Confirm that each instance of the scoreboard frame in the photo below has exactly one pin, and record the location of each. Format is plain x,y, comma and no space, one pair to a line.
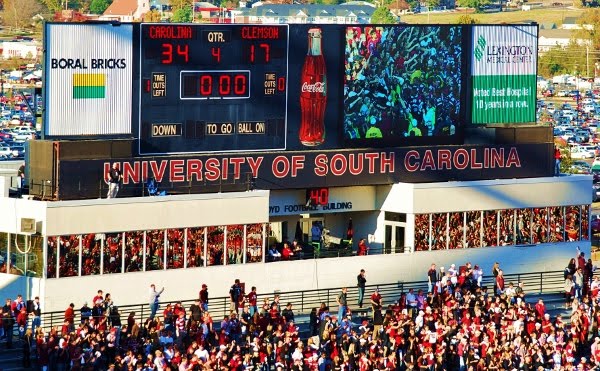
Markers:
252,133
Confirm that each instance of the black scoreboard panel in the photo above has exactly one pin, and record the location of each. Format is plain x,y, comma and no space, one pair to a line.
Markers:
213,88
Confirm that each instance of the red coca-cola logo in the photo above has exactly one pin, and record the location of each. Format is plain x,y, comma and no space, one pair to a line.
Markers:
317,87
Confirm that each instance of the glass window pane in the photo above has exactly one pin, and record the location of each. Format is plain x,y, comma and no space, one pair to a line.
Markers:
254,243
557,228
52,247
490,228
195,247
507,227
134,251
421,232
3,252
456,231
235,242
439,226
473,226
540,225
90,254
523,226
573,221
26,255
585,222
69,256
112,253
175,241
215,240
155,244
35,265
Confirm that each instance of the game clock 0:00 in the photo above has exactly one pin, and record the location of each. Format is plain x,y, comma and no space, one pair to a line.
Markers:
213,87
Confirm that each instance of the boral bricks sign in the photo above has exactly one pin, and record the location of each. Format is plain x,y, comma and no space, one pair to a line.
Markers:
311,168
88,84
503,73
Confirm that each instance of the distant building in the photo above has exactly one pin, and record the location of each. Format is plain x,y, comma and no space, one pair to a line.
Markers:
353,13
17,49
126,10
550,38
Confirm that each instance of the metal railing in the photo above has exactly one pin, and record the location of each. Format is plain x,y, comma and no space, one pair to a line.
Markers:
305,300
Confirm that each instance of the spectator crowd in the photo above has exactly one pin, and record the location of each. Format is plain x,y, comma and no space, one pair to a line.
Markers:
455,323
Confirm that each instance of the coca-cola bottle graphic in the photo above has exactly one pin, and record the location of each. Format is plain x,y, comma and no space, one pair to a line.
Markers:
313,94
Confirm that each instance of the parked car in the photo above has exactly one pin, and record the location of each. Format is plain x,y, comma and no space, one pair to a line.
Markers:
578,152
5,150
580,167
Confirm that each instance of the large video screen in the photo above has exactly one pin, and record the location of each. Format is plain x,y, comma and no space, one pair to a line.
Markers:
402,82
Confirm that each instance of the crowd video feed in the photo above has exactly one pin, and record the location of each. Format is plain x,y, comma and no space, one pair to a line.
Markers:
402,82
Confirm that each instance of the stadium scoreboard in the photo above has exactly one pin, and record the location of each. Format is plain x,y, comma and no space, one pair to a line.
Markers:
213,88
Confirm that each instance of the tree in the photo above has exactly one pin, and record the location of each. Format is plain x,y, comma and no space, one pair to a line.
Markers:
182,15
18,13
466,19
559,60
179,4
382,15
99,6
152,16
58,5
476,4
590,30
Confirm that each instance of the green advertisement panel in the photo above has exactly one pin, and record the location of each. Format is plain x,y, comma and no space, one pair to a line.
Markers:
504,99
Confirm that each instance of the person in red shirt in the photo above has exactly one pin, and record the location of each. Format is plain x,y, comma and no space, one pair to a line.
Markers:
70,317
98,298
557,158
286,252
540,309
363,248
252,301
500,282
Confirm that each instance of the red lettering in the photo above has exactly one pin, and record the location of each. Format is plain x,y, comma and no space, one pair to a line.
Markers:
458,163
194,169
513,158
236,163
275,167
144,170
212,169
260,32
176,171
486,157
158,172
297,164
474,163
131,172
387,162
321,165
444,159
254,164
340,169
355,163
428,161
371,157
107,167
225,168
411,160
497,157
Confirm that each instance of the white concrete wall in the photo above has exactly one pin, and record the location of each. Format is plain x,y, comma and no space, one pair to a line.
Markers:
132,288
130,214
488,195
12,210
